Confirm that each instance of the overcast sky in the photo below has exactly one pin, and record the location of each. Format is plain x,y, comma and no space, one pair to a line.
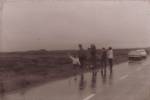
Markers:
32,25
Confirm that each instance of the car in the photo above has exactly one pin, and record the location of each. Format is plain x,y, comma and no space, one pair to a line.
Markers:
137,54
143,53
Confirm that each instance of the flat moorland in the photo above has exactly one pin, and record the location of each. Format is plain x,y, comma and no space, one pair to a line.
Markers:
19,70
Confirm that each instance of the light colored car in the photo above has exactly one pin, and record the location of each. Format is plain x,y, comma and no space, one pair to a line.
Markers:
142,52
137,54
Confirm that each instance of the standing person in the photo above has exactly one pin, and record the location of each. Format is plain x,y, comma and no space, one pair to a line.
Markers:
81,55
110,55
76,64
93,55
103,61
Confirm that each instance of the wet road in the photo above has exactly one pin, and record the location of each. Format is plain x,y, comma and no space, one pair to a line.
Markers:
128,82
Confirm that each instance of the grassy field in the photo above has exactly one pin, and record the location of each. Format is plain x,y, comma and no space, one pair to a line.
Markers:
20,70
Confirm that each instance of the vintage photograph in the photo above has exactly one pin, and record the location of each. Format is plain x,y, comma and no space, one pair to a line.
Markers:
74,49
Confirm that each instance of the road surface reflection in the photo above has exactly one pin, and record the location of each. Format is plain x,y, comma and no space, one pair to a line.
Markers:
76,87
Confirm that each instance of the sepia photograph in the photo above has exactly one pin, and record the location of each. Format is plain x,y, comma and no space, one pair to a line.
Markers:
74,49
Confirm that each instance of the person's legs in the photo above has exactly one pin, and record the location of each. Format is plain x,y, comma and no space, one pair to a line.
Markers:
81,63
111,65
102,65
102,68
75,68
95,63
105,65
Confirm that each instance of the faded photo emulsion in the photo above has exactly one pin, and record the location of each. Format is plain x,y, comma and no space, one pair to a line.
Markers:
74,49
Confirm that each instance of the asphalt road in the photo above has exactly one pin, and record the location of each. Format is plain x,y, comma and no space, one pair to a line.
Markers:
129,81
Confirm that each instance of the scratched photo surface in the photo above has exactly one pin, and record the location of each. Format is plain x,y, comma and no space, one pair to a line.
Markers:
74,49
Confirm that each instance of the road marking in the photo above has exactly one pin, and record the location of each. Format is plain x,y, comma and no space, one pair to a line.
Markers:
123,77
89,97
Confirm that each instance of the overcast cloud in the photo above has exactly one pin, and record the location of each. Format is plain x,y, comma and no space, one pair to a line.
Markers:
55,25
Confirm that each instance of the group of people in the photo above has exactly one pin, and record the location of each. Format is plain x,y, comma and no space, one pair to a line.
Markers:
91,56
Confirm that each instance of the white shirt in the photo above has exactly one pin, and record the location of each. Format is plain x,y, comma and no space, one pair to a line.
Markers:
75,60
110,54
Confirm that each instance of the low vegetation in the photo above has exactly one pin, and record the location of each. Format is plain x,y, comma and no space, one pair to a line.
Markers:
20,70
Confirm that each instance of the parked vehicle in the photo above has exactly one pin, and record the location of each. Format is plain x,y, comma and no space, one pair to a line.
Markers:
137,54
143,53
